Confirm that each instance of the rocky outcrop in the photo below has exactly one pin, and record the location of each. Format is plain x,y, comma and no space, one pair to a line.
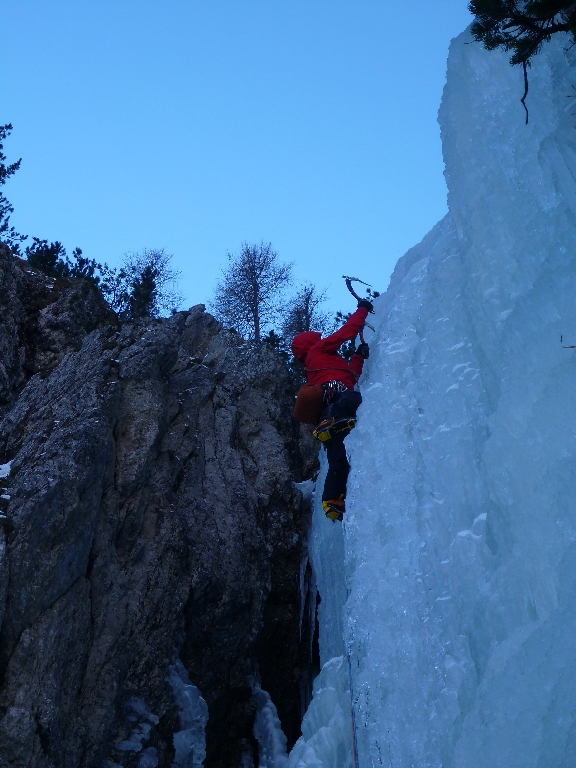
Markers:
151,517
41,320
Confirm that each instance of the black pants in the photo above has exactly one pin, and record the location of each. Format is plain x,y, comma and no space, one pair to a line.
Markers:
344,405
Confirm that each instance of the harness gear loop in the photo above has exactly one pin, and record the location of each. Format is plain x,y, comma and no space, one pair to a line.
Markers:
329,427
331,389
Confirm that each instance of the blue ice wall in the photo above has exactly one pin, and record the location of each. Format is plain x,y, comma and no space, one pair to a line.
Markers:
459,543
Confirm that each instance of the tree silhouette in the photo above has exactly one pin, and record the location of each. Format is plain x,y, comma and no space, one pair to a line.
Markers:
303,313
521,27
247,298
8,234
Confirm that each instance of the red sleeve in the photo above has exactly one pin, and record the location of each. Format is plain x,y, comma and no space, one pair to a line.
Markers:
356,363
349,330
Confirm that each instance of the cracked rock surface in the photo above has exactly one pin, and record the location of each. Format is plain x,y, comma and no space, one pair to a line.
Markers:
41,319
149,516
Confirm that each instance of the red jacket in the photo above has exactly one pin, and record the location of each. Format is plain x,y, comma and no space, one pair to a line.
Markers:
320,356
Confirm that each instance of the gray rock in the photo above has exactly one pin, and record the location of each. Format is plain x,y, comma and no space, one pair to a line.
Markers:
41,319
152,516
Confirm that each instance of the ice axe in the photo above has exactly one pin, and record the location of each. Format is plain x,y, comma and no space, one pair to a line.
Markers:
349,281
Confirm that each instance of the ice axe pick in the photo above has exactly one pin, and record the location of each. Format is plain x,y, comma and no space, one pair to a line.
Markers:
349,281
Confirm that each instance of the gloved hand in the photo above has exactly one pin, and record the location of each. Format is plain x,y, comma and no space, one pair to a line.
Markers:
363,350
366,305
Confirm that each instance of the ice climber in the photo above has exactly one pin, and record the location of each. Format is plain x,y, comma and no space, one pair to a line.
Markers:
330,398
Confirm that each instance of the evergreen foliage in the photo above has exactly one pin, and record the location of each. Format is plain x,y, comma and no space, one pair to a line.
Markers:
51,258
143,287
143,294
8,234
278,343
521,27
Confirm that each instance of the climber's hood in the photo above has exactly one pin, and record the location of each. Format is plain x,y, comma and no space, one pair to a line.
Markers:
303,343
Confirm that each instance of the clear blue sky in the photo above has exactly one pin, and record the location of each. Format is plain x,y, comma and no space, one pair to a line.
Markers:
197,125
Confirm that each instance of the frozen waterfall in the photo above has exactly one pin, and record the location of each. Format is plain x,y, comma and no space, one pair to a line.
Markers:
453,578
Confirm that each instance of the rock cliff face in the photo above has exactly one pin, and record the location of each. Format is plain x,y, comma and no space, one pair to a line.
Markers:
151,517
42,319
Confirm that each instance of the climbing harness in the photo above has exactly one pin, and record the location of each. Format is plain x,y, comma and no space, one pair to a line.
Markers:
313,398
331,389
329,427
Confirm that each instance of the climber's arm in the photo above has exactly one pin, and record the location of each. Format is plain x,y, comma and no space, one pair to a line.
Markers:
349,330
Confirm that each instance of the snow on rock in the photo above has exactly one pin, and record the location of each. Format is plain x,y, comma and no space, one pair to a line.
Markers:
144,720
459,541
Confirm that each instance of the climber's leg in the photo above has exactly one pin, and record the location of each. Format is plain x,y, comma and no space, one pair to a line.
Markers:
338,469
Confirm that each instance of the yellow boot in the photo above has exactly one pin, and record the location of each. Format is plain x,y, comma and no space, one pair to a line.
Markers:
334,509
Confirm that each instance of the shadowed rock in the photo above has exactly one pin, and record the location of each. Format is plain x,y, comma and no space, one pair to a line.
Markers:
152,515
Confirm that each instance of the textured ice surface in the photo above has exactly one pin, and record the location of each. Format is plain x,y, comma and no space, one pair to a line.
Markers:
326,552
144,720
461,533
460,536
268,732
148,758
190,742
326,739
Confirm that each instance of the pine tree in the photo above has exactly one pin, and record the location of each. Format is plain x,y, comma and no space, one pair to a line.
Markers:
142,297
8,234
521,27
145,286
49,258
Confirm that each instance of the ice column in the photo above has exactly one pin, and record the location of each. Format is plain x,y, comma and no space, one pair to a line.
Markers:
326,740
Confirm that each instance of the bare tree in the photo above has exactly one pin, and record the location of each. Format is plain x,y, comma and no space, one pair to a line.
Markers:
303,313
247,298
